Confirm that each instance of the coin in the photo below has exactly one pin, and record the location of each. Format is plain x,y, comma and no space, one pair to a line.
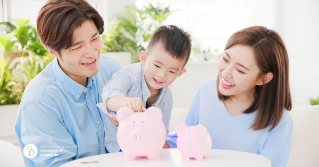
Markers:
85,162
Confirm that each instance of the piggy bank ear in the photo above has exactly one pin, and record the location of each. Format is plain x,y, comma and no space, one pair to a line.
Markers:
155,112
179,128
200,129
123,113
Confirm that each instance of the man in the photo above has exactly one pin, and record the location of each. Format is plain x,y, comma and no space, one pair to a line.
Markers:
58,113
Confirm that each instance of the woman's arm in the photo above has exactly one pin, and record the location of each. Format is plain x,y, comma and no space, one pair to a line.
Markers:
277,145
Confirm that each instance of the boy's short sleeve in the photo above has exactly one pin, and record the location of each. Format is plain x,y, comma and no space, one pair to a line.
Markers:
117,86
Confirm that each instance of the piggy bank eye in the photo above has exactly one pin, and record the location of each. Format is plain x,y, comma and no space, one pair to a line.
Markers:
134,122
142,121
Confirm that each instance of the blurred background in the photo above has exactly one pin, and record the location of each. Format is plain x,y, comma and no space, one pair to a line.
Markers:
129,25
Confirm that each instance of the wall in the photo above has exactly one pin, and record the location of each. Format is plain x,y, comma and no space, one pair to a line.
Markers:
299,28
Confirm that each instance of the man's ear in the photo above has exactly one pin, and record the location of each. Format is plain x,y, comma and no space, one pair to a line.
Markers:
182,72
265,78
52,51
142,57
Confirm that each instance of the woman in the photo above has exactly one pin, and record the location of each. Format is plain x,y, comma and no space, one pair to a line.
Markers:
246,108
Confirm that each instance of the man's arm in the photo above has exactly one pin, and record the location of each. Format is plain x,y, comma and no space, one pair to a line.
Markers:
41,124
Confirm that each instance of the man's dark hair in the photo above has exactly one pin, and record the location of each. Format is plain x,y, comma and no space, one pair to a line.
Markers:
175,41
57,20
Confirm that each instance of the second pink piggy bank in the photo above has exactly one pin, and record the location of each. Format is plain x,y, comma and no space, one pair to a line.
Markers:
194,141
141,133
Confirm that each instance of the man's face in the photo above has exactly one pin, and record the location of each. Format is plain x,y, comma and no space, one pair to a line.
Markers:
160,68
81,60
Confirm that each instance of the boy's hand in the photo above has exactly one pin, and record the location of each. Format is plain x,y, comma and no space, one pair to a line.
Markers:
136,104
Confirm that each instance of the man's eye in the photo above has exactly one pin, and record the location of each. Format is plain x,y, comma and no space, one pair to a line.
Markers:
76,48
95,39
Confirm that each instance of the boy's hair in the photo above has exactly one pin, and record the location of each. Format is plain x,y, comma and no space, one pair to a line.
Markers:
175,41
271,56
57,20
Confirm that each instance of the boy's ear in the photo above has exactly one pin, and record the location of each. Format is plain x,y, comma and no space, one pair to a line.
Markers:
52,51
142,57
182,72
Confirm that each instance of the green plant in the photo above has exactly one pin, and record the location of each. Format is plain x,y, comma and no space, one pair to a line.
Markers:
6,43
26,37
133,30
32,65
314,101
8,84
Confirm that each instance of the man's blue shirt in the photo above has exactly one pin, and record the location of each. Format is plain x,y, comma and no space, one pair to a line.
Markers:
59,116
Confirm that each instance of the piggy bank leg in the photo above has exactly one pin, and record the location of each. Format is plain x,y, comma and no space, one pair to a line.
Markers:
207,155
153,156
183,157
199,157
129,157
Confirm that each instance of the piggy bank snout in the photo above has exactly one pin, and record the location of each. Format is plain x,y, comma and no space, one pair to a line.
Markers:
137,135
184,143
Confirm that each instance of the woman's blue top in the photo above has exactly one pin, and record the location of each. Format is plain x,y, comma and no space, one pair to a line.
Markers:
234,132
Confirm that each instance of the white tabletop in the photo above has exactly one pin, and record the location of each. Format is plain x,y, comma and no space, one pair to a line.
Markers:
172,157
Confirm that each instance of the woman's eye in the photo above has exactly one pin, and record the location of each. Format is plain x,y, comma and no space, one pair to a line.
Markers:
224,59
156,65
241,72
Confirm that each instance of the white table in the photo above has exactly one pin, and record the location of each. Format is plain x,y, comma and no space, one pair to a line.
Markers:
172,157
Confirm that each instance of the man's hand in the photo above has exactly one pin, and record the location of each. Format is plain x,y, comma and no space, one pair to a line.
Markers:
135,104
114,121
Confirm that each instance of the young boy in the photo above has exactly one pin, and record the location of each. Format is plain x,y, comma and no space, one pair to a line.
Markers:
145,84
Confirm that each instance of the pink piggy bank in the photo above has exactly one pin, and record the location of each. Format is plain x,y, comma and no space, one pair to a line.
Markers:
193,142
141,133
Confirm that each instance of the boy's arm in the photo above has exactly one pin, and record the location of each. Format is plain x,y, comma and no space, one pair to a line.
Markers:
117,87
135,103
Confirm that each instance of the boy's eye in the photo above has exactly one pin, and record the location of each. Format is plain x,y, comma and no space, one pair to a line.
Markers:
156,65
172,72
95,39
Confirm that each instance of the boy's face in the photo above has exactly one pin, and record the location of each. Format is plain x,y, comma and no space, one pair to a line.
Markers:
160,68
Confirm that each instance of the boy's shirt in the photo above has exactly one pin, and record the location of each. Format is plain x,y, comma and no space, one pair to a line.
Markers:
130,82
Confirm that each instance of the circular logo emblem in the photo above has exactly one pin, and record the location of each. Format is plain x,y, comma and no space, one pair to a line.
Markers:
30,151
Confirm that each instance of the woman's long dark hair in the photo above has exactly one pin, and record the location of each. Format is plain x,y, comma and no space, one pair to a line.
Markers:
271,56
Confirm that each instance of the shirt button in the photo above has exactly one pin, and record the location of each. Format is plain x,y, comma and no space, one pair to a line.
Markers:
77,96
98,122
102,145
88,100
84,90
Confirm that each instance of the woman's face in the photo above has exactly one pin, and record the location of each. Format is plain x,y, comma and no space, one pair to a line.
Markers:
238,71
